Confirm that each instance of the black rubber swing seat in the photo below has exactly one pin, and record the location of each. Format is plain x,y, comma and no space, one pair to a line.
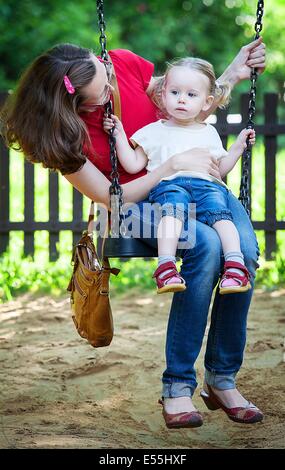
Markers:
123,247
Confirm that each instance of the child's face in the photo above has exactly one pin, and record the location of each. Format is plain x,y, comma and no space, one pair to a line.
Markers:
186,93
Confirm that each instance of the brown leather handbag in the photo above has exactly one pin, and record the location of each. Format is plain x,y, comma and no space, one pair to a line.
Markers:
89,290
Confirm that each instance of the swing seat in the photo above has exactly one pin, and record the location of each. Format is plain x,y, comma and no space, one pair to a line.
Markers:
128,248
122,247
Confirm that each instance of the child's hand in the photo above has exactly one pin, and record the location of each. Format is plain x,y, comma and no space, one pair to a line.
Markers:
240,143
113,121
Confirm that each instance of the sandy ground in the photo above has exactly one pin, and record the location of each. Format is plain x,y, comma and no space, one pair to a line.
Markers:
59,392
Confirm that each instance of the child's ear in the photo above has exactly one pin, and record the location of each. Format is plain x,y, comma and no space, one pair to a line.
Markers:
209,102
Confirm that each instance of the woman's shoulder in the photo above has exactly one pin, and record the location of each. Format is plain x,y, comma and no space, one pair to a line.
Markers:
128,64
126,55
121,53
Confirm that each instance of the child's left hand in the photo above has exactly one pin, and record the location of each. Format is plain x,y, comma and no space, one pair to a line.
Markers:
242,137
113,121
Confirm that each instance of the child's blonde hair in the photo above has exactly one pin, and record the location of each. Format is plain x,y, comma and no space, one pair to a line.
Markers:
220,91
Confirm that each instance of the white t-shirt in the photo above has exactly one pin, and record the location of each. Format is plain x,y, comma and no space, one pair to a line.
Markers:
161,141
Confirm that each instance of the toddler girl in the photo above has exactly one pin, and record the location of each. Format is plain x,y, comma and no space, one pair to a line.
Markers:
188,88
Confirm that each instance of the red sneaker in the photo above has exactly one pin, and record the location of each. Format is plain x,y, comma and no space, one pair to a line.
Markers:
169,282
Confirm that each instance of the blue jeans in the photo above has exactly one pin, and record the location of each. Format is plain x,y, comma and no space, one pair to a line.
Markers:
201,269
211,199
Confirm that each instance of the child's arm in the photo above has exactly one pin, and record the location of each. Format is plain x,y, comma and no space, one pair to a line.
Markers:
236,150
132,160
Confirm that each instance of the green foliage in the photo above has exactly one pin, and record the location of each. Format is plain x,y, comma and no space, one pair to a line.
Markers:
272,273
20,274
163,30
31,26
157,29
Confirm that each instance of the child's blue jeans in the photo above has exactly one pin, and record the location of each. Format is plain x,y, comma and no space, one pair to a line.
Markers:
211,199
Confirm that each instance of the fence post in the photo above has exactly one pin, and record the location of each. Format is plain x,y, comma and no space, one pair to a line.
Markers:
4,186
222,125
244,118
53,215
29,208
77,211
270,111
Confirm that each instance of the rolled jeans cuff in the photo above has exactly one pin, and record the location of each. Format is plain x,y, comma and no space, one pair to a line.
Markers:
177,389
222,382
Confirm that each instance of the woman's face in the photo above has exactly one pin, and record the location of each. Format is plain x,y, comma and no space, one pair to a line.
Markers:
98,91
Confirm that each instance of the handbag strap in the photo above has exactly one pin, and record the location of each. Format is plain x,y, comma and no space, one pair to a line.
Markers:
116,92
117,112
90,230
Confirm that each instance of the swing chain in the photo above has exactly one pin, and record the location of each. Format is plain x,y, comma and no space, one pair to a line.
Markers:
115,189
102,27
246,157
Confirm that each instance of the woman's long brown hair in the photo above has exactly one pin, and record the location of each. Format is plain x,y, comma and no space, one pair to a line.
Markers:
41,118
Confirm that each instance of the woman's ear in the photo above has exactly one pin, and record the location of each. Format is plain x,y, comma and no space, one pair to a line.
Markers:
208,103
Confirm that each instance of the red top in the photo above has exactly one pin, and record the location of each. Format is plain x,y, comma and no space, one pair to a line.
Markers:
133,75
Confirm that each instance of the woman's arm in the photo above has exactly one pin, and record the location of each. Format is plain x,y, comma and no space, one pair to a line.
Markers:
93,184
251,55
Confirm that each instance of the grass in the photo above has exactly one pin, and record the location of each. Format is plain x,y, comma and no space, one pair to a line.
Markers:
19,274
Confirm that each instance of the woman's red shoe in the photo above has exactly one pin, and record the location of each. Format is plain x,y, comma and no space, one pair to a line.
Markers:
186,419
248,414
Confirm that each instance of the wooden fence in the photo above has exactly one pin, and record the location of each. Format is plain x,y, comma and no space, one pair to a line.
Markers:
270,129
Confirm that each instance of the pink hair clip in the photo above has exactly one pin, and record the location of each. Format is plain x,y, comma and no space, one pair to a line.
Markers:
68,85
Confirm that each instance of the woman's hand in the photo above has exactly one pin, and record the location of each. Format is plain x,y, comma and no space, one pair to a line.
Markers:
199,160
251,55
113,121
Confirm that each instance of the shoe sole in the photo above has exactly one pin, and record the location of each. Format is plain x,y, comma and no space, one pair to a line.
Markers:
189,425
234,290
172,288
254,419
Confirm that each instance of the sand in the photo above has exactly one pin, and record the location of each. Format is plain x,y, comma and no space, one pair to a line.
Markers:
59,392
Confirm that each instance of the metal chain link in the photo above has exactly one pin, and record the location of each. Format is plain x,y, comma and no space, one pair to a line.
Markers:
115,190
246,157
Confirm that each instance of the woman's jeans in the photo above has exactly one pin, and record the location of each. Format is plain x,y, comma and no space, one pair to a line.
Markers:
201,268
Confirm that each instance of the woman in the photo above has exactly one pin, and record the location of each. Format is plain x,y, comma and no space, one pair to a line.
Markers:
56,118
